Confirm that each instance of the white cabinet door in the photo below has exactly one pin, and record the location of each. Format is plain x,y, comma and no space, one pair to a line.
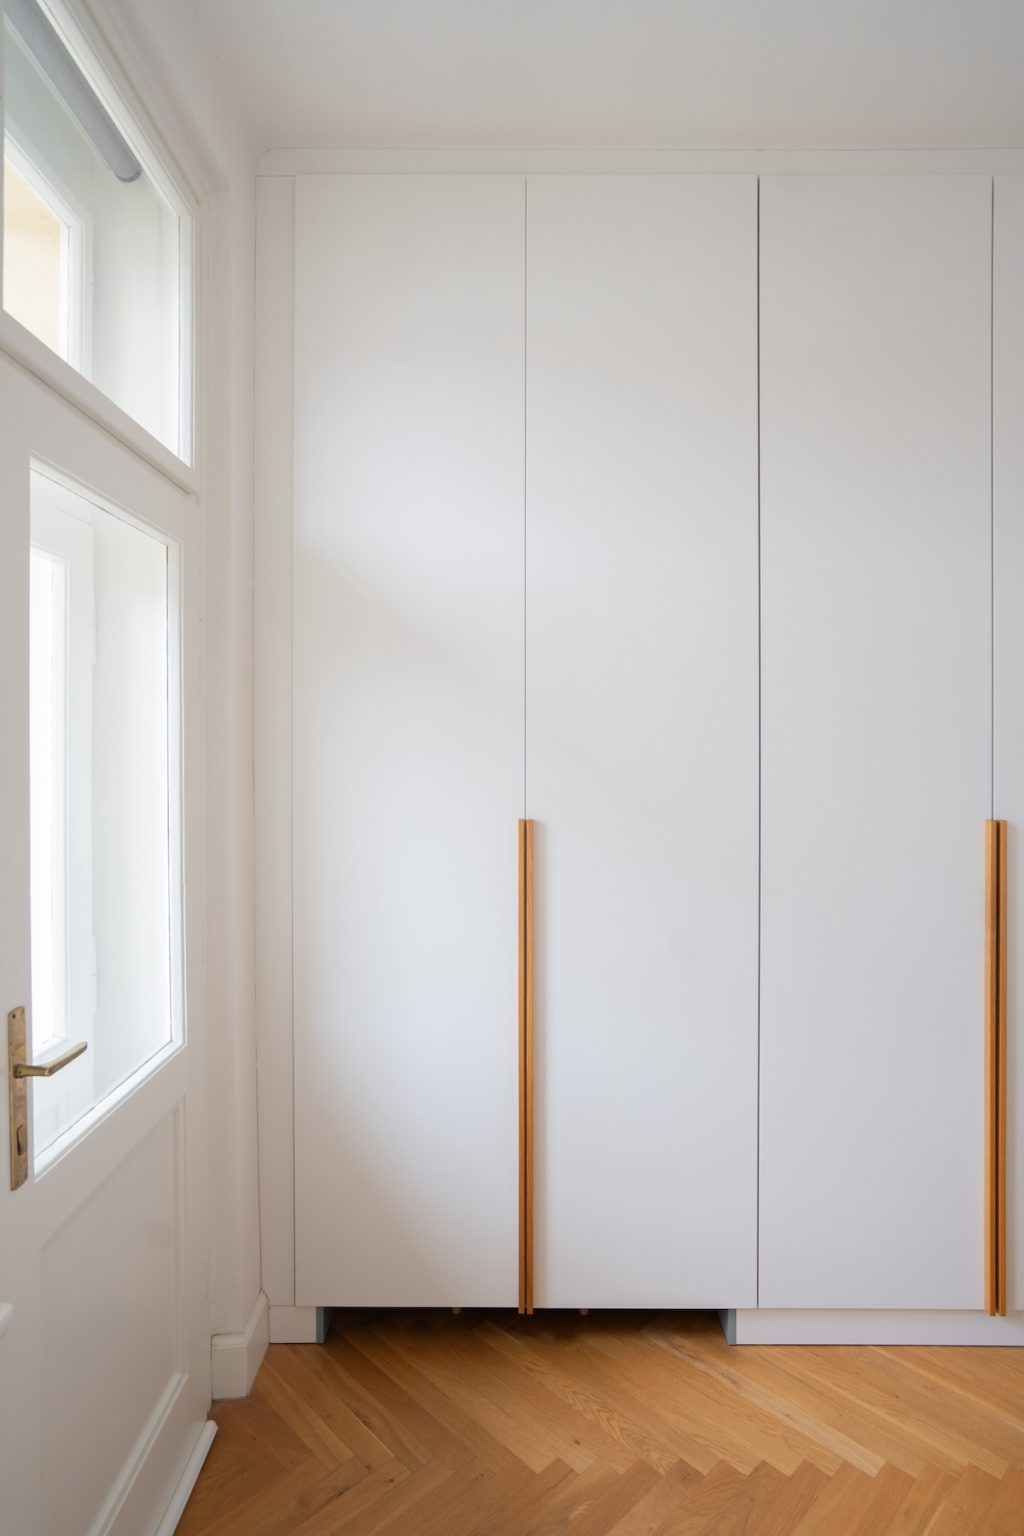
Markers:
876,737
408,737
1008,532
641,736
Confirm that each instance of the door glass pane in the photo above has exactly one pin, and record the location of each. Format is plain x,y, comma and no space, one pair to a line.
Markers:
94,246
104,779
49,753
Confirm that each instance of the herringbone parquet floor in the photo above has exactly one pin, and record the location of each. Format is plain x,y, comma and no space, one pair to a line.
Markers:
618,1424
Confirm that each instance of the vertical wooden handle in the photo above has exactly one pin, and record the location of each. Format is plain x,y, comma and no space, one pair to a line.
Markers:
995,1067
526,1066
1002,1022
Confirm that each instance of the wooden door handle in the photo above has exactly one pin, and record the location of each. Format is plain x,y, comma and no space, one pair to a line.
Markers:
526,1066
995,1068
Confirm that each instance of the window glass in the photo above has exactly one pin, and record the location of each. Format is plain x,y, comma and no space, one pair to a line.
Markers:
95,258
35,269
103,780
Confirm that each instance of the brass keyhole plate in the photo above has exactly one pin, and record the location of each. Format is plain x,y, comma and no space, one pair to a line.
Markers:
17,1096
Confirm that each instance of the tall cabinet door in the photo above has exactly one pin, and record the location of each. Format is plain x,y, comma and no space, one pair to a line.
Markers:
876,737
1008,692
641,736
408,737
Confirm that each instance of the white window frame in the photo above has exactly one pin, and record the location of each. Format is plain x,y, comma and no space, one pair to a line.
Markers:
76,247
113,89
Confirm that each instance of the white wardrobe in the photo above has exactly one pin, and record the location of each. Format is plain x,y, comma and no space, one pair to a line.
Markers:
682,516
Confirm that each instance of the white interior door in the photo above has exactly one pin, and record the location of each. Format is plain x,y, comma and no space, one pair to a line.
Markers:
641,736
104,1354
407,737
876,736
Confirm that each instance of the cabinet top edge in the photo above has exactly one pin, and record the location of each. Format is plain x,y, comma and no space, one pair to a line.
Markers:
324,161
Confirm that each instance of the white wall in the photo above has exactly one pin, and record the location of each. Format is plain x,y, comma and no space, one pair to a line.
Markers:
161,45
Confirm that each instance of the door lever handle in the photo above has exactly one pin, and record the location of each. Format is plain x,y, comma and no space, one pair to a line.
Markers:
19,1068
54,1065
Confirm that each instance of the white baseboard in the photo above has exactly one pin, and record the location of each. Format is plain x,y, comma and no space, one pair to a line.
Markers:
299,1325
180,1497
776,1326
236,1357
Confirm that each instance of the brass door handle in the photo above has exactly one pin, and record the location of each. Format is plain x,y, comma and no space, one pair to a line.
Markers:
19,1068
54,1065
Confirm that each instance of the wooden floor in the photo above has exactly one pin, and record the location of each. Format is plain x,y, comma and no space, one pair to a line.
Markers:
633,1424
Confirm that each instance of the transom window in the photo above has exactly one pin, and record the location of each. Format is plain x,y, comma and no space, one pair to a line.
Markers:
97,238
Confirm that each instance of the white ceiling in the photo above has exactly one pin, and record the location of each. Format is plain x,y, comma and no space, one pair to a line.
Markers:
624,73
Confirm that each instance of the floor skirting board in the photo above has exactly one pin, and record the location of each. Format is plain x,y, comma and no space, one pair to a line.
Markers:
169,1524
236,1357
779,1326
